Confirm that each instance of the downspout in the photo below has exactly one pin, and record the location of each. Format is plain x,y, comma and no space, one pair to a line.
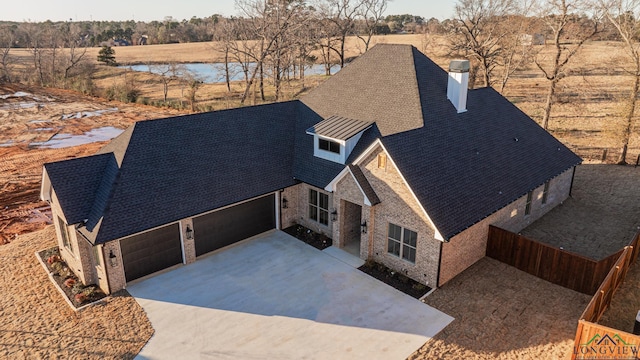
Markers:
573,176
439,265
104,265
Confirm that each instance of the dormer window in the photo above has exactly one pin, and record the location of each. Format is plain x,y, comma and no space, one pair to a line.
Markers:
335,137
328,145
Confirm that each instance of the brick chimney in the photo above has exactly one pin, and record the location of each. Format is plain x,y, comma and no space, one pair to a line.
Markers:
458,84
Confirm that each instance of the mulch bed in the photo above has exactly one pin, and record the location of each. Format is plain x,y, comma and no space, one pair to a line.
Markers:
318,241
394,279
77,293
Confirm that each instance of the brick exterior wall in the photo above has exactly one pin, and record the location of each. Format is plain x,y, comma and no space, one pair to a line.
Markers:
347,190
397,206
470,246
115,272
80,260
289,216
188,245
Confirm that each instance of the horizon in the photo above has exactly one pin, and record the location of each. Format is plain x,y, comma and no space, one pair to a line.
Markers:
119,10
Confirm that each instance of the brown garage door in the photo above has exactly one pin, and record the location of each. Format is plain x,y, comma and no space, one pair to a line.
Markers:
152,251
225,227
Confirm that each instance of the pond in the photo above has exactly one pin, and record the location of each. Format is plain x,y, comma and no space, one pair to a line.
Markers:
213,73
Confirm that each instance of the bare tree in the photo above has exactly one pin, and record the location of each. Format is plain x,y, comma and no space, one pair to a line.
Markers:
270,20
517,46
7,39
479,34
72,35
570,32
623,15
342,15
168,74
372,13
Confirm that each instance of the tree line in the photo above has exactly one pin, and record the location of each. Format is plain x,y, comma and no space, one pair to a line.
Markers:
278,39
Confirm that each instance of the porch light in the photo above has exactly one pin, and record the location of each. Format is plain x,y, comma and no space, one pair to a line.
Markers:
112,259
284,202
189,232
363,227
334,215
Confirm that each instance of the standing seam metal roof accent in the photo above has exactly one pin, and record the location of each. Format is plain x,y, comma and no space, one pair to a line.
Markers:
339,128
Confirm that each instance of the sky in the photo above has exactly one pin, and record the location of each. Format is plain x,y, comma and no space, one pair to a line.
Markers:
144,10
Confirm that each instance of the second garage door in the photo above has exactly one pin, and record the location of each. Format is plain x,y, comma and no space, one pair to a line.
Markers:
225,227
152,251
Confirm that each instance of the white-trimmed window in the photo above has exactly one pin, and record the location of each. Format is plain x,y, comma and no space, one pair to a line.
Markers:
65,235
545,193
402,242
527,207
328,145
318,207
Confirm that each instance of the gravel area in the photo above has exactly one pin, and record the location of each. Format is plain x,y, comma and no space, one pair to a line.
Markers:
36,323
503,313
600,218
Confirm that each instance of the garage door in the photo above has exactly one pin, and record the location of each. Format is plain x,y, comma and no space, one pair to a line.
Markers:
152,251
225,227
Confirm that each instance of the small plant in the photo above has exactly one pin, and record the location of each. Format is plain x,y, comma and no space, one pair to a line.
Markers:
77,288
53,259
80,298
57,266
419,287
69,282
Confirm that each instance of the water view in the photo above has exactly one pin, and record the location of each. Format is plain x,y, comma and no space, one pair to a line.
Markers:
214,72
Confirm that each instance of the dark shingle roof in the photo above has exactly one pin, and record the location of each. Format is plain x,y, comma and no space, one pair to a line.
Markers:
339,128
364,184
461,167
379,86
464,167
77,183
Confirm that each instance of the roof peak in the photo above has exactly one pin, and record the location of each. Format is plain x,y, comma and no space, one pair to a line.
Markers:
386,73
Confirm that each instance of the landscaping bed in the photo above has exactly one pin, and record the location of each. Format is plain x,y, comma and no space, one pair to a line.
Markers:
394,279
77,293
318,241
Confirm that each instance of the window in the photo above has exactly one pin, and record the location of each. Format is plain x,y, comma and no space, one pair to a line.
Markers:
382,161
96,255
327,145
545,193
319,207
402,242
527,208
65,235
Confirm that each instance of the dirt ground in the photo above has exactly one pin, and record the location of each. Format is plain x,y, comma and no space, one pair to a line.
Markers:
600,218
36,116
36,323
626,302
503,313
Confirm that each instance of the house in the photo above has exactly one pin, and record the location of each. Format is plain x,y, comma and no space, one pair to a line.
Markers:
392,157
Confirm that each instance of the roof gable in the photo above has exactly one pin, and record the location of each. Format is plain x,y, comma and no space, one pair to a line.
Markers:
464,167
76,183
379,86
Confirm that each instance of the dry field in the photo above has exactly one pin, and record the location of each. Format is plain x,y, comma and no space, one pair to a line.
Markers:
522,317
503,313
36,323
21,164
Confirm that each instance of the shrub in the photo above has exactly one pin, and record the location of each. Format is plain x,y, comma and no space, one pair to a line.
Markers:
53,259
77,288
419,287
69,282
80,298
57,266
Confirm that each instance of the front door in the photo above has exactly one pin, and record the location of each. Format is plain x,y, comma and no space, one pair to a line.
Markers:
350,227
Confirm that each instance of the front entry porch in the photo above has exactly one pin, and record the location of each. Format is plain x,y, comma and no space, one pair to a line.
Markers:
350,235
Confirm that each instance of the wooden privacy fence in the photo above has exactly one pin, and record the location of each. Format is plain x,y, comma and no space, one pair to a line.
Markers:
622,345
557,266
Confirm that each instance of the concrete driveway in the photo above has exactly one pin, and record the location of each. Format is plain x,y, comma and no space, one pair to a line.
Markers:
274,297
